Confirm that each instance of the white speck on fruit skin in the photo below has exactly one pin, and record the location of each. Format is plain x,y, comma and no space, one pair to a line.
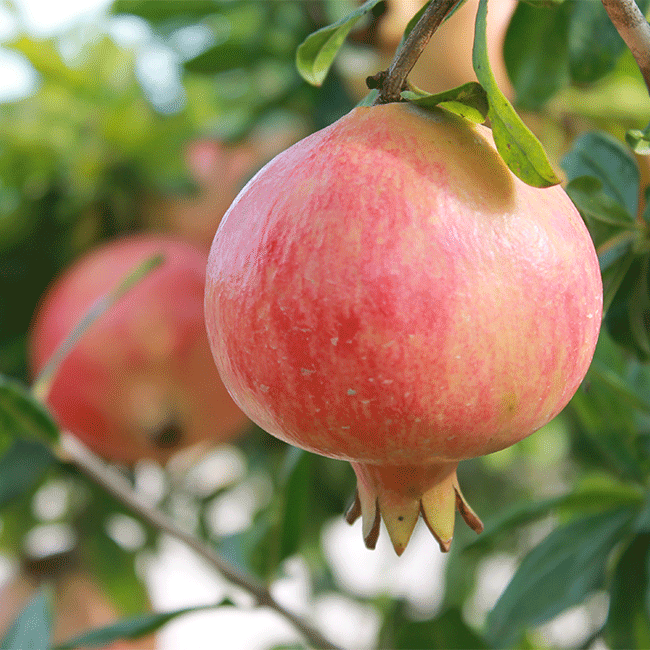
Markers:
386,381
345,427
371,379
418,420
305,372
450,437
351,391
334,340
590,315
264,388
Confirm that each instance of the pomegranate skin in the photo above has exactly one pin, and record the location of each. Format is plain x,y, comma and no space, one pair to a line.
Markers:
387,292
140,383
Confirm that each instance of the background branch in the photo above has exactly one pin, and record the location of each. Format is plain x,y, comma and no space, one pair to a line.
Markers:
73,451
634,30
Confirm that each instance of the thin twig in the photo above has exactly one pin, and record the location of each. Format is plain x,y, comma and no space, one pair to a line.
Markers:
73,451
634,30
393,80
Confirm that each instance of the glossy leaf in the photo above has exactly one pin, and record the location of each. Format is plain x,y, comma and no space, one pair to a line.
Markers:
558,573
611,250
112,565
520,149
605,427
219,58
592,201
628,314
131,628
639,141
21,467
448,630
628,622
32,629
623,389
599,155
594,495
369,99
287,515
22,415
317,52
614,275
468,101
594,43
535,52
164,10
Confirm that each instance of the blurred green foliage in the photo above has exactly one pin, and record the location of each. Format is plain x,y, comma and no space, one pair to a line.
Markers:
82,154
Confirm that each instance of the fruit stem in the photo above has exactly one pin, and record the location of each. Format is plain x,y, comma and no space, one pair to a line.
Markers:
392,81
634,29
72,450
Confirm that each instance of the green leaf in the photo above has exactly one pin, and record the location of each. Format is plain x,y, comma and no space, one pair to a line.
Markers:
288,513
535,53
594,42
606,430
112,566
448,630
21,467
628,316
639,309
468,101
317,52
32,629
598,154
613,277
590,198
22,415
133,627
623,389
559,573
369,99
597,494
521,150
628,623
164,10
219,58
639,141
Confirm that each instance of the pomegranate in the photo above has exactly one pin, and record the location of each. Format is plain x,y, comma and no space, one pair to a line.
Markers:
387,292
141,381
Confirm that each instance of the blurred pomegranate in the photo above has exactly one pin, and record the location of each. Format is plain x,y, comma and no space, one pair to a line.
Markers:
219,171
141,382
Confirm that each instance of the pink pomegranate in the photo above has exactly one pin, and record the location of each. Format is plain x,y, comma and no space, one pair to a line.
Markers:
141,381
387,292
